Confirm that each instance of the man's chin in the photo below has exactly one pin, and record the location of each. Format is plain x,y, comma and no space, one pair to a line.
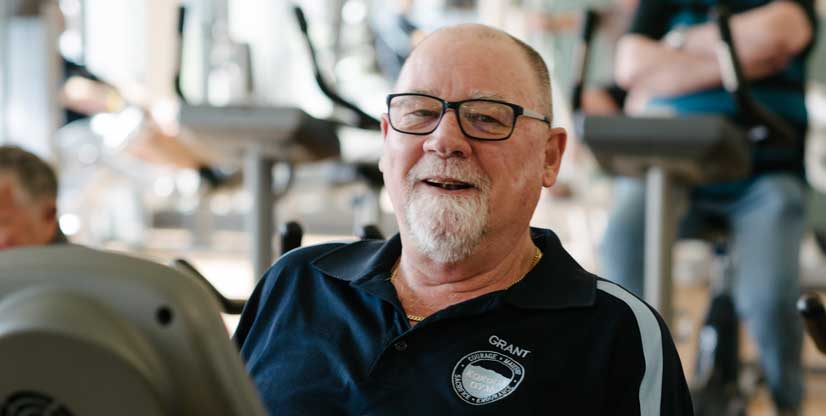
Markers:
446,241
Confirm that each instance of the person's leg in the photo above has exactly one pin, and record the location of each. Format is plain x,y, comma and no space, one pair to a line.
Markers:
768,221
622,248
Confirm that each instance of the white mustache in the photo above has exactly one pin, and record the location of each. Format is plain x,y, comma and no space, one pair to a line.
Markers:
453,168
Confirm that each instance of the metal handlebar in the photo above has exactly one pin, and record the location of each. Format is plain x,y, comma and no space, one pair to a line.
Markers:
766,126
365,121
589,24
230,306
814,316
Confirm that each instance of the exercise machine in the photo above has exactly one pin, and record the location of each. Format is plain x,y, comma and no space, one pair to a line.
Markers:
87,332
674,154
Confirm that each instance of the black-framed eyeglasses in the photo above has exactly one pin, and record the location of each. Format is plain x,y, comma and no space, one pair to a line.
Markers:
480,119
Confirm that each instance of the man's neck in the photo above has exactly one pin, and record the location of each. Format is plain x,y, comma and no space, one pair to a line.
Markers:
425,286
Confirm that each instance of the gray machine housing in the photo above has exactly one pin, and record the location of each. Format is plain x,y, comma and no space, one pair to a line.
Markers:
695,149
86,332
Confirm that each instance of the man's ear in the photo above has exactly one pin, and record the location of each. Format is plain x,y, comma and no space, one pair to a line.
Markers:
554,149
48,212
385,126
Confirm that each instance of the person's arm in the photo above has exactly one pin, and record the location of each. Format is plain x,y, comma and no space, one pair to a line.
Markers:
766,38
780,28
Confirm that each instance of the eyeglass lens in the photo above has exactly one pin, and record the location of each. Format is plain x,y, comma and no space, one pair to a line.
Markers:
421,115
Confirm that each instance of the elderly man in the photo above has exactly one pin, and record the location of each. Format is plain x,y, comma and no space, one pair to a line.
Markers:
28,189
468,309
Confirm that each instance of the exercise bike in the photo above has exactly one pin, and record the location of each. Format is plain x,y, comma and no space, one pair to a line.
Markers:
674,154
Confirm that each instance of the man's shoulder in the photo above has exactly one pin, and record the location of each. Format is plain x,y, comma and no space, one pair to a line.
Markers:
619,302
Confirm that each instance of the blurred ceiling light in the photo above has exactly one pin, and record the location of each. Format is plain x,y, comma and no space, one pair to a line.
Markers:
165,113
187,182
117,128
163,186
101,123
69,224
70,44
354,12
70,8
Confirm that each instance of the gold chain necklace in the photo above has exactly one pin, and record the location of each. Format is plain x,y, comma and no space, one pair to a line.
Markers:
418,318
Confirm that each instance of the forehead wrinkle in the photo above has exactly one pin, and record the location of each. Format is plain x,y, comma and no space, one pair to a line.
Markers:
474,94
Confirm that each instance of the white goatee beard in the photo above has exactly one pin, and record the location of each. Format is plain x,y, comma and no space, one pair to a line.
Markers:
446,228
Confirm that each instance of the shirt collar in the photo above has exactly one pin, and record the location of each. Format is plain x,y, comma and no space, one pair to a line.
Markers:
556,282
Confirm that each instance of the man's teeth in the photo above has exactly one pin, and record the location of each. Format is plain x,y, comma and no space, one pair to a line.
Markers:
450,186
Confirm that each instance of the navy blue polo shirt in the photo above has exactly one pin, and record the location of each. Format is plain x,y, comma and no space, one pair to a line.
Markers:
324,334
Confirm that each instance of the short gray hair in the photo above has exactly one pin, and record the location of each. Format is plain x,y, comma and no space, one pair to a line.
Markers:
541,73
535,61
35,176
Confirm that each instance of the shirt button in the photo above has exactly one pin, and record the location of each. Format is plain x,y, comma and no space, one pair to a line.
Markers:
400,346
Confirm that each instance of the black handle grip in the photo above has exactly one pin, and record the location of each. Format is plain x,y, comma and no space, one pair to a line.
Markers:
364,120
178,83
590,20
230,306
814,316
301,19
768,124
291,234
370,232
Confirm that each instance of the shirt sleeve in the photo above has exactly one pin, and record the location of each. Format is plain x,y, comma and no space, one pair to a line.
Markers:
676,397
645,371
636,394
651,19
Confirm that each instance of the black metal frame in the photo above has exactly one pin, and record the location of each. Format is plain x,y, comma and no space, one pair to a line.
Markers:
518,110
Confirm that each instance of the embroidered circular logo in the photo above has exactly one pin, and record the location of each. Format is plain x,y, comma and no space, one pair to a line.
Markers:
484,377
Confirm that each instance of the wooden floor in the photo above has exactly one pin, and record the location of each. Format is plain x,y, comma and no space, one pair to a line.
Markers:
690,304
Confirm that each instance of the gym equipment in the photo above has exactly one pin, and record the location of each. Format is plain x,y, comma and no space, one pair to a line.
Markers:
814,316
290,234
87,332
674,154
263,136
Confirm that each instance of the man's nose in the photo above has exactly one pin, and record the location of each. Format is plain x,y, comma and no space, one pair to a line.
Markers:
448,140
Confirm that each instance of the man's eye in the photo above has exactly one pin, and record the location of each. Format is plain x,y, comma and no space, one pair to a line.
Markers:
484,118
423,113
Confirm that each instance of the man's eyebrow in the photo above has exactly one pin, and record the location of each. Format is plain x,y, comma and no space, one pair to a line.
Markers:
475,94
422,91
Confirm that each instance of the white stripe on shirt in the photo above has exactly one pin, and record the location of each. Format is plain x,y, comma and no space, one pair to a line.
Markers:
651,339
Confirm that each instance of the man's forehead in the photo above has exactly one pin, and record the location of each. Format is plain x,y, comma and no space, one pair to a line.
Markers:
473,94
473,43
469,61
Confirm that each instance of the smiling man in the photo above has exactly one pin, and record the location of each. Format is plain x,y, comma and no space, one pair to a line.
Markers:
468,310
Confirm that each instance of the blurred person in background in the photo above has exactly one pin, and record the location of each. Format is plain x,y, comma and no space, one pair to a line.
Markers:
668,60
28,195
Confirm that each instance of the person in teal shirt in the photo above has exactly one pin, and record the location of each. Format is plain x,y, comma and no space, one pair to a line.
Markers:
667,60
